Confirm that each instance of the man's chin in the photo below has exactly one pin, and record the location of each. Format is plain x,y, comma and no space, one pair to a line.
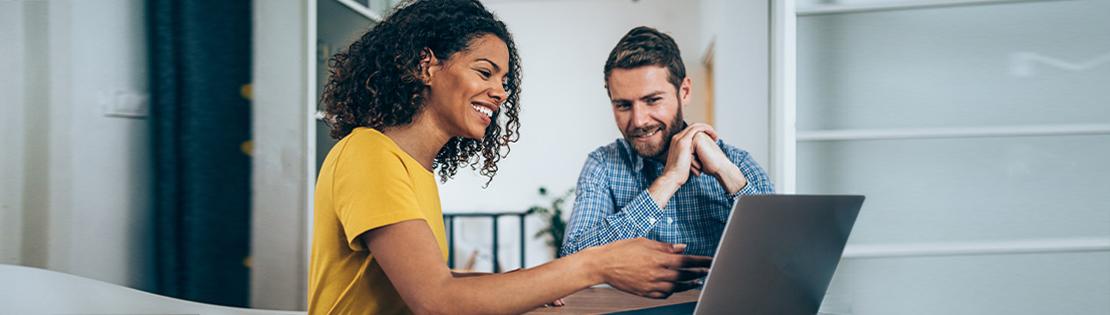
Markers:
649,152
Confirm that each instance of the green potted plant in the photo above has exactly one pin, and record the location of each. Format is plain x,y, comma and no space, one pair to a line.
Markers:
553,215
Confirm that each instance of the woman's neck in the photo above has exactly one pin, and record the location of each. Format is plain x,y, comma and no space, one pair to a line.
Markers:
421,139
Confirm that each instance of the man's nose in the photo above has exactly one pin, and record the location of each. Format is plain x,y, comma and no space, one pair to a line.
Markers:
641,117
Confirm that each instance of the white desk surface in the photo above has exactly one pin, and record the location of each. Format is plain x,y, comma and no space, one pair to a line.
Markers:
26,290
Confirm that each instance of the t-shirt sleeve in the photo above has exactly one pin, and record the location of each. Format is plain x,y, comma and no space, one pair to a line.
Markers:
372,189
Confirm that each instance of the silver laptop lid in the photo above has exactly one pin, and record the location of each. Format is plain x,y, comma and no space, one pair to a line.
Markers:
778,253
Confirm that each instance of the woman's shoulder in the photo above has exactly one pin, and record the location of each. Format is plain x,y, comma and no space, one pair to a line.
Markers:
367,136
367,145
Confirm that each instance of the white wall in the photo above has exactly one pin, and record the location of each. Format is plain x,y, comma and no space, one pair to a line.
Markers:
11,133
84,176
279,156
739,32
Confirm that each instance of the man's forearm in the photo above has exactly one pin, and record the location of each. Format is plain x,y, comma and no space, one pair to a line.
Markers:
662,189
731,179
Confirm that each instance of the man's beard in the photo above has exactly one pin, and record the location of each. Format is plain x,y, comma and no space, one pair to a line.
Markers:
652,150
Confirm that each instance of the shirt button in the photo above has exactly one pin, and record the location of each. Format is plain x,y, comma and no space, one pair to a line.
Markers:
651,220
670,220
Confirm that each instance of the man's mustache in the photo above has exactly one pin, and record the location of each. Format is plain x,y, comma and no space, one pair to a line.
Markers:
636,132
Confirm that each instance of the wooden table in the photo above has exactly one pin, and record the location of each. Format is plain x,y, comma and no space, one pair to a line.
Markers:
604,300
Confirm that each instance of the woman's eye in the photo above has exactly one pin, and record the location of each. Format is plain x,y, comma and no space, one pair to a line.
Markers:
485,74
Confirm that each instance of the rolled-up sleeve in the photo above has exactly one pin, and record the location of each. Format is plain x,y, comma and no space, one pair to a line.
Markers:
758,181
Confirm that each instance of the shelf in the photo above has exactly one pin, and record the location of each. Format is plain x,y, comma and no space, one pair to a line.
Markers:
828,9
978,248
953,132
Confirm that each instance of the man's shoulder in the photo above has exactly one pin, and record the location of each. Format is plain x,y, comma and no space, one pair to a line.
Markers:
603,161
608,152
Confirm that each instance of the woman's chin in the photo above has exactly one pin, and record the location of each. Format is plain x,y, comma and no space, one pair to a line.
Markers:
476,135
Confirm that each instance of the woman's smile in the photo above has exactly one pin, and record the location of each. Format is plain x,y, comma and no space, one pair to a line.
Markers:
483,111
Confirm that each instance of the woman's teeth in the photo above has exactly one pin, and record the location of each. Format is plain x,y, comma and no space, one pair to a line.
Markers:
484,110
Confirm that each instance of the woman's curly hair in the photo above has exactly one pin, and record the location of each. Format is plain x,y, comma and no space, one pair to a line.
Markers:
376,82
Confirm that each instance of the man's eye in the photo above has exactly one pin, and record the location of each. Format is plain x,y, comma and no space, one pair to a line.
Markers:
653,100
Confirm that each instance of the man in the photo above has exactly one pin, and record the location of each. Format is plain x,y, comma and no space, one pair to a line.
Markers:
665,180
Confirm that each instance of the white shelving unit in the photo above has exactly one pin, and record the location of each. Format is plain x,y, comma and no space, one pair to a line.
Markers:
1069,245
954,132
825,9
998,259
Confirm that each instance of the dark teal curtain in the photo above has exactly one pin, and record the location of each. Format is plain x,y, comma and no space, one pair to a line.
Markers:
200,119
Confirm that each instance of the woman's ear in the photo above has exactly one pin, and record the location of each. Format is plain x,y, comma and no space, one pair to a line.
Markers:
429,65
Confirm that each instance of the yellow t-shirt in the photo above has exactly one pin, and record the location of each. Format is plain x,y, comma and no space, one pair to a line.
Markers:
366,182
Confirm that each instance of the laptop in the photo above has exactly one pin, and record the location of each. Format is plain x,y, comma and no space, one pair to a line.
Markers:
777,255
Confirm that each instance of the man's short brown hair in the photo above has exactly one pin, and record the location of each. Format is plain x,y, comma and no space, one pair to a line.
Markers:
646,46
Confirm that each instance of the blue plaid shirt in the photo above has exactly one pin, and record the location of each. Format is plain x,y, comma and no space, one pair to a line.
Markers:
612,202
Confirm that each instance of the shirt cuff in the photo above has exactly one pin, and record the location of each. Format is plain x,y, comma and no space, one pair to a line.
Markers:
749,189
641,214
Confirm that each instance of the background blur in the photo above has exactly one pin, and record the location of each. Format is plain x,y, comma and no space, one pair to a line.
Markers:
172,146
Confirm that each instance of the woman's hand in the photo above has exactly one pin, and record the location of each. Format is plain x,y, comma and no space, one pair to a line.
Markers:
649,268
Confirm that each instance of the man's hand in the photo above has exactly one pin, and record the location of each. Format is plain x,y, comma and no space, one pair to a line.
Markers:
680,163
715,163
649,268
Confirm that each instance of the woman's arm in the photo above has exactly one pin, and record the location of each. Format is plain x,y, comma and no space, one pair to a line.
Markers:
466,274
411,258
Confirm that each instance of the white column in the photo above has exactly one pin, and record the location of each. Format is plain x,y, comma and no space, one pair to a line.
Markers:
280,151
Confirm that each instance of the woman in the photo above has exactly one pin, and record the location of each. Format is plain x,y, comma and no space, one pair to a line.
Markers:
435,86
